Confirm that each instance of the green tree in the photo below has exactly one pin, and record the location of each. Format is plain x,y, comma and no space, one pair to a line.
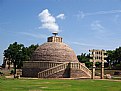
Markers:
13,54
114,58
84,58
110,58
17,53
117,62
31,49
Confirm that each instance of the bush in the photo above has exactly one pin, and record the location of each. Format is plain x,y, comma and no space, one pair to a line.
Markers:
118,66
117,73
12,72
1,73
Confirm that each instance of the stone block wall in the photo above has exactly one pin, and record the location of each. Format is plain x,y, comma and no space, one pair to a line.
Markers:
61,74
31,69
31,72
73,70
74,73
40,64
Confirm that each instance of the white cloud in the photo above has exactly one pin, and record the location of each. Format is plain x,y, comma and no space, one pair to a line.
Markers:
48,21
40,36
104,12
97,26
90,46
82,14
116,18
81,44
61,16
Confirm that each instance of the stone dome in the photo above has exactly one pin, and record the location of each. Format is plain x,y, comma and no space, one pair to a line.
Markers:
54,59
55,52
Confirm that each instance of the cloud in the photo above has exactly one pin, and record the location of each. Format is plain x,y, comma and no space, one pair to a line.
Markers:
89,46
82,14
83,44
48,21
85,47
97,26
116,18
40,36
61,16
104,12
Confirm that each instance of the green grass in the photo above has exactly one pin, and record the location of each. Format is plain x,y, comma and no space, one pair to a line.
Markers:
58,85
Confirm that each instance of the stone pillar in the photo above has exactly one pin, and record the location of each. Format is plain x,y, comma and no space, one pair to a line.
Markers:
93,71
102,71
54,39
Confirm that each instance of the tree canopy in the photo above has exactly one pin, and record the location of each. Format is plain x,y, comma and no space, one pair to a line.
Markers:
17,53
113,59
84,58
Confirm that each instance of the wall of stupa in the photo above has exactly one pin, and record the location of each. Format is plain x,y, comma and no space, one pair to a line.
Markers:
73,70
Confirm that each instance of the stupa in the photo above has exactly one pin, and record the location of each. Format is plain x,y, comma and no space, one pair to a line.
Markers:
54,59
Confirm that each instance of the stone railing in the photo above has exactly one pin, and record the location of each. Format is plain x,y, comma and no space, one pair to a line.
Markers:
52,70
80,66
54,67
40,64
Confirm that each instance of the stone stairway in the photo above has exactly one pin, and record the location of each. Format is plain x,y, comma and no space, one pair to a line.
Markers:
80,66
63,66
53,70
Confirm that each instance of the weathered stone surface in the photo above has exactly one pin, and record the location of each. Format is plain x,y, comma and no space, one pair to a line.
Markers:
61,74
54,51
54,59
108,76
75,73
73,70
31,72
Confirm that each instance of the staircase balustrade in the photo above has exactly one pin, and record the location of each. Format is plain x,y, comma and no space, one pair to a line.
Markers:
60,67
52,70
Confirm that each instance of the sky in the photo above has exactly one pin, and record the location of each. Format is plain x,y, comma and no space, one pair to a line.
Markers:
83,24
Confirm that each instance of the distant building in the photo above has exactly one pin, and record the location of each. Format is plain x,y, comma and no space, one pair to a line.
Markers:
7,63
0,67
54,59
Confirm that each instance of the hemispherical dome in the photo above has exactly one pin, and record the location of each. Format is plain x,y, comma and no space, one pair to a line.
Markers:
54,51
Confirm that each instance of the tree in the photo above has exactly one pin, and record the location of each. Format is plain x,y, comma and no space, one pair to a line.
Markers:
13,54
114,58
110,58
31,49
84,58
117,62
17,53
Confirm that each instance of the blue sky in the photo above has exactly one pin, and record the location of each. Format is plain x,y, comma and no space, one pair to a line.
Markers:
84,25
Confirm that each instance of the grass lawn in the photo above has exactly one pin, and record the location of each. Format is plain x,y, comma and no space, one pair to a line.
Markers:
58,85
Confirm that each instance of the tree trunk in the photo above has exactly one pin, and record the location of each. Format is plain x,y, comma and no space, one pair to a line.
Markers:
15,69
